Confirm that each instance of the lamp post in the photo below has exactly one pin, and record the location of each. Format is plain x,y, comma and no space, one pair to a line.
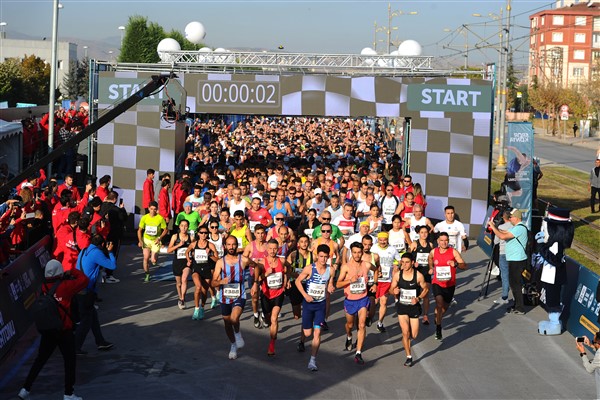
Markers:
377,29
85,52
122,29
501,166
499,69
3,30
52,100
392,14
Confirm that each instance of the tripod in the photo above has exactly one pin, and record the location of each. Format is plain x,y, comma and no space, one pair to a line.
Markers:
485,284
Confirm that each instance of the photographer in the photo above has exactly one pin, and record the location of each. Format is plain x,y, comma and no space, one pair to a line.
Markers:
592,366
90,260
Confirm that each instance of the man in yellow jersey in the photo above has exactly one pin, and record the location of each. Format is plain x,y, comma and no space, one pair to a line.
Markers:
152,229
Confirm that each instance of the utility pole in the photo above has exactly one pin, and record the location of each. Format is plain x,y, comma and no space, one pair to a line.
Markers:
501,166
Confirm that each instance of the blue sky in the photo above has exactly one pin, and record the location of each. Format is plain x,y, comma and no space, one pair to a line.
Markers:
299,26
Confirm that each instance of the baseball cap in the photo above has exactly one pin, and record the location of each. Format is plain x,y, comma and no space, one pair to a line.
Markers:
516,213
318,191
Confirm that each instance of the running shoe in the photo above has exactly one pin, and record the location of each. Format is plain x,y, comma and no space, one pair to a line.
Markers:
239,340
201,314
264,322
518,312
312,365
72,397
23,394
214,302
348,346
408,362
438,334
111,279
257,324
300,347
233,352
181,304
358,359
368,321
196,316
324,326
380,328
105,346
147,278
501,301
425,320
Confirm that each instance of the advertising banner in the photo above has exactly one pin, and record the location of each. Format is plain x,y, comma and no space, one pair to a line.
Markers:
582,312
518,180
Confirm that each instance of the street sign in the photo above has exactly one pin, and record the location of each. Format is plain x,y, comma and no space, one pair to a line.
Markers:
519,95
564,108
564,116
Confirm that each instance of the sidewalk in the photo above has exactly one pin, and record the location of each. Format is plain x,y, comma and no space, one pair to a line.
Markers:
588,142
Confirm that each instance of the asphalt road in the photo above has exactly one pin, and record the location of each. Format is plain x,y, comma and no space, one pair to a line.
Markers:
563,153
161,353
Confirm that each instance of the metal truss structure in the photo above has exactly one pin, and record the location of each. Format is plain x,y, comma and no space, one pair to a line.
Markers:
290,63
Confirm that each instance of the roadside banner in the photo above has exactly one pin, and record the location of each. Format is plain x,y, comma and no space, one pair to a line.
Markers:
518,180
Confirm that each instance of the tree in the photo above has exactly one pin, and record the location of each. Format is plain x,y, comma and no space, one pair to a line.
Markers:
75,84
142,37
547,99
511,82
26,80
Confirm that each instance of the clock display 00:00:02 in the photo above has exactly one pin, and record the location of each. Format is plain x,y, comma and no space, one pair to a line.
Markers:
252,93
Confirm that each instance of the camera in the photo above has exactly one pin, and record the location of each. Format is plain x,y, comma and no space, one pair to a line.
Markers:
580,339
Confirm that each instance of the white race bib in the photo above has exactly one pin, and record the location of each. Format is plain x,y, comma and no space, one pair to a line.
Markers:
275,281
422,258
386,273
443,273
308,232
359,286
253,224
232,290
151,230
406,295
371,277
408,215
316,290
201,256
240,241
399,246
181,253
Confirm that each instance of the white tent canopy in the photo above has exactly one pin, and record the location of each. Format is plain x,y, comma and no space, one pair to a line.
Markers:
11,145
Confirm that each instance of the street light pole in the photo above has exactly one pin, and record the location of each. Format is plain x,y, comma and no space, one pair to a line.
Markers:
122,29
392,14
501,166
53,66
2,30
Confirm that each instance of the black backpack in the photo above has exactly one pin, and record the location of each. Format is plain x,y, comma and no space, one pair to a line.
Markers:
45,312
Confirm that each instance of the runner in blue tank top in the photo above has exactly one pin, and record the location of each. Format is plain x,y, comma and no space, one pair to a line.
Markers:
229,278
319,280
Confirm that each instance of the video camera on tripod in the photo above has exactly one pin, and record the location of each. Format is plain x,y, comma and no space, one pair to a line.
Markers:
501,204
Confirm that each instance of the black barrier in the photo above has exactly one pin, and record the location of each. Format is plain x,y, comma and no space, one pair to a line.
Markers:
19,283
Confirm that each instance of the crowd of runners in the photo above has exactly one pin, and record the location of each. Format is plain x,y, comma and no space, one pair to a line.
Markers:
299,207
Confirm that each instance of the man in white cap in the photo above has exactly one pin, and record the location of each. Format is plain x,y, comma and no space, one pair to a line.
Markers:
65,285
317,202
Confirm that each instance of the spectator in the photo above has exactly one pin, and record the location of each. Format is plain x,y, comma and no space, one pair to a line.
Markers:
594,186
148,190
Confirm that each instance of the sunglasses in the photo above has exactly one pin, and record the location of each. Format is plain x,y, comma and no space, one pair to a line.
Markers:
326,231
406,181
326,219
203,232
278,219
214,227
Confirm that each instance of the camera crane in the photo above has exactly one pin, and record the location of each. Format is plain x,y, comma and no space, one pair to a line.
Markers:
156,83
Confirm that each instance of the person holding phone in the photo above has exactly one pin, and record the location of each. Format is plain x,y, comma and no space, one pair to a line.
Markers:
591,366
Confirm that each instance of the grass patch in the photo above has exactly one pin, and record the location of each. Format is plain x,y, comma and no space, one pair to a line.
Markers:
581,259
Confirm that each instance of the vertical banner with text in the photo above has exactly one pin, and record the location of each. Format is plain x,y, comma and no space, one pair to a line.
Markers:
518,180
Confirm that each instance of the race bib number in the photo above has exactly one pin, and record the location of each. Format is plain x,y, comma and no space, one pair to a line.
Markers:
181,253
240,241
200,256
408,215
406,295
386,273
422,258
232,290
399,246
452,242
370,277
309,232
275,281
253,224
359,286
316,290
443,273
151,230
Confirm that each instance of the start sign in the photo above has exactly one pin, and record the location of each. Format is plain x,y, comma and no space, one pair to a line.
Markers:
453,98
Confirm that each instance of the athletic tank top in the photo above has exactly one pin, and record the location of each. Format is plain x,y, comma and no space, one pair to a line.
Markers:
422,254
443,274
300,262
274,211
320,207
413,224
218,244
397,240
179,255
233,207
408,288
233,290
316,285
240,235
272,285
283,251
202,255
